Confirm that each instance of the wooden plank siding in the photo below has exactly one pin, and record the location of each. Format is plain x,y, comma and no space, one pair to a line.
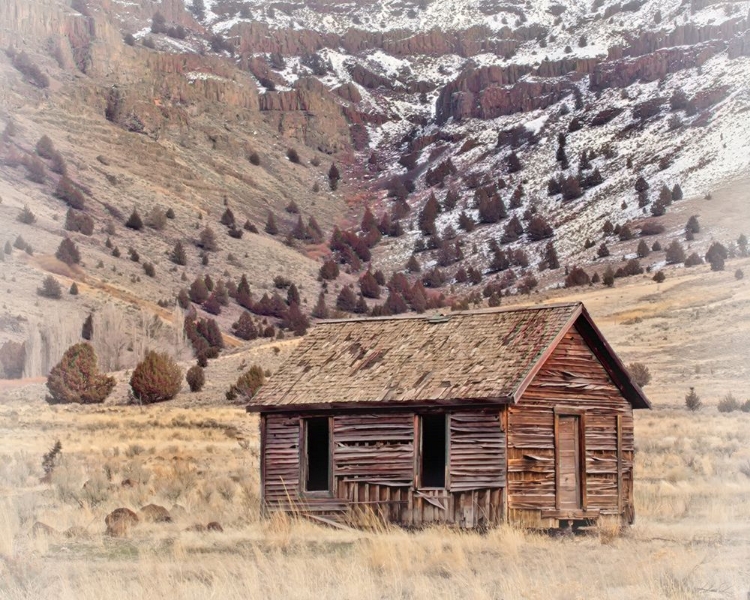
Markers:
571,377
375,463
477,450
281,464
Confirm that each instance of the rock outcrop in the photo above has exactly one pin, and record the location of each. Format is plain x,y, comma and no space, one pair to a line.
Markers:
651,67
489,92
254,37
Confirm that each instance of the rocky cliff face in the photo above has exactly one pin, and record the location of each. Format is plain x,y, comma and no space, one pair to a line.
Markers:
404,92
259,37
651,67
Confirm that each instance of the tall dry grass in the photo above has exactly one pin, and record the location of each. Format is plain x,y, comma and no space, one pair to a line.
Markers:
691,538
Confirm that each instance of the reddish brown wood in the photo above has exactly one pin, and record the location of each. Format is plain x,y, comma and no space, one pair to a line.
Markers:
568,463
572,380
563,451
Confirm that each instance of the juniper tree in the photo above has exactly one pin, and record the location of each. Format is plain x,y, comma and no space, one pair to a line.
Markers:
643,250
76,378
68,252
692,226
550,258
245,328
50,288
675,253
271,227
693,401
207,240
716,256
134,221
178,255
156,378
87,329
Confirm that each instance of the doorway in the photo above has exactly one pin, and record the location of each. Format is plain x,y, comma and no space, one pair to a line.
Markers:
569,479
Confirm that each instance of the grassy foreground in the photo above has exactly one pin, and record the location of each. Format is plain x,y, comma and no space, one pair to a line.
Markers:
691,538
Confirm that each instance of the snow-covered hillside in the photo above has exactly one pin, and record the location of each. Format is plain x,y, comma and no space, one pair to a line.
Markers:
652,89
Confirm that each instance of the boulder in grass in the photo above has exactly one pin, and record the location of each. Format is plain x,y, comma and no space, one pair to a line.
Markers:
215,526
120,521
153,513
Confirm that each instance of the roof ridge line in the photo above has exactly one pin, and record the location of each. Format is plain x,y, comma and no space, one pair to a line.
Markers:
451,313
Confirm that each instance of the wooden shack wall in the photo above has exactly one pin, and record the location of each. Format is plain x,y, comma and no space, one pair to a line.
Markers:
572,376
374,463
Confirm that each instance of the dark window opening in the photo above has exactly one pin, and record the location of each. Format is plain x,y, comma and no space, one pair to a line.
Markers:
433,451
317,446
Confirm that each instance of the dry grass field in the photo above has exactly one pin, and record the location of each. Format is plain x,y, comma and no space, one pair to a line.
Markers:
200,460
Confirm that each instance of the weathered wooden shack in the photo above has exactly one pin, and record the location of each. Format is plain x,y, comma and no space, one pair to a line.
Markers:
522,415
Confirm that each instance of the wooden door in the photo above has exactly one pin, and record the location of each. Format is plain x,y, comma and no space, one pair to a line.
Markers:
569,463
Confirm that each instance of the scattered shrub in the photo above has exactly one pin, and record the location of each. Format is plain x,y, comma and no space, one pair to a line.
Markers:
693,401
643,250
652,229
87,329
178,255
26,216
68,252
198,291
538,229
716,256
247,384
50,288
212,304
76,378
577,276
625,233
728,404
12,360
329,270
196,379
659,277
134,221
293,156
244,328
45,147
675,253
156,378
78,221
271,228
639,373
156,219
207,240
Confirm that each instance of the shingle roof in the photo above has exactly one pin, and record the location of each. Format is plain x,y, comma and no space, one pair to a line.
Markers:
480,356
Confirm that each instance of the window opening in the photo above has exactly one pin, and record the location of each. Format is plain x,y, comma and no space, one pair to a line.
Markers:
434,451
317,447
